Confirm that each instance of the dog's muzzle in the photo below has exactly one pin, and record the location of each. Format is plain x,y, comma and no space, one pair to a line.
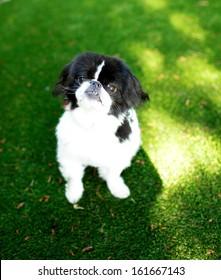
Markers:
93,91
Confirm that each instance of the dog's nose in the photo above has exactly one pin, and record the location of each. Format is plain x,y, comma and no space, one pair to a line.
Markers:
95,84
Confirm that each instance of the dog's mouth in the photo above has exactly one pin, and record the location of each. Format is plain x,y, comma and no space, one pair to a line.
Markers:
93,95
93,92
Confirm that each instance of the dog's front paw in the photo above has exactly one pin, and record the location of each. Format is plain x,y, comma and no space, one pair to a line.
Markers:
122,192
119,189
73,193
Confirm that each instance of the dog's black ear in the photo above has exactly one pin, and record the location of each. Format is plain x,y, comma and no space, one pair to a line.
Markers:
63,86
133,94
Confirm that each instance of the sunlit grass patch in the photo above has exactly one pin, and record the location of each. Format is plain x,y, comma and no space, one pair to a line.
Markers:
188,24
178,150
195,70
150,61
156,5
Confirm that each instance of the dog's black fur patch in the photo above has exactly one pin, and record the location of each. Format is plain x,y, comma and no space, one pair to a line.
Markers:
124,130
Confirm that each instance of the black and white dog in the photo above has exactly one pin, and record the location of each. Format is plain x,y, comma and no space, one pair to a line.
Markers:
99,126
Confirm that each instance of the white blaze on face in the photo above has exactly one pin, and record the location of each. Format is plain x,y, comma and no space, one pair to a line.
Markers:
99,68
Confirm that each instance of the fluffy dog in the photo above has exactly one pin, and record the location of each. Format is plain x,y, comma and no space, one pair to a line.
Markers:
99,127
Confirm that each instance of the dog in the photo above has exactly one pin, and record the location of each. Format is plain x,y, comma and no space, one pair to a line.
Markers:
99,126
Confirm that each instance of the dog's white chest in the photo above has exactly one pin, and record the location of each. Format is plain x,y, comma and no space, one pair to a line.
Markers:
92,139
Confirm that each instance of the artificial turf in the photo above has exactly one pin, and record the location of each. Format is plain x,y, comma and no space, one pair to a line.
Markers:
174,211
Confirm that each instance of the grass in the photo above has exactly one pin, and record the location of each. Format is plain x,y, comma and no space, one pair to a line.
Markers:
174,211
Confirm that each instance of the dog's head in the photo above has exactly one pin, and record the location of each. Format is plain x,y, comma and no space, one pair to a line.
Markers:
102,83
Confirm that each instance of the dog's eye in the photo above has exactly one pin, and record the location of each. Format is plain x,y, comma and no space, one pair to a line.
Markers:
81,80
112,88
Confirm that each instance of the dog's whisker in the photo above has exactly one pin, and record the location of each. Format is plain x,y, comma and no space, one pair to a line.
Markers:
65,90
116,106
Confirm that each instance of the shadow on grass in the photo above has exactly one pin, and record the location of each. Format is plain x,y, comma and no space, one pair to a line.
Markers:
47,226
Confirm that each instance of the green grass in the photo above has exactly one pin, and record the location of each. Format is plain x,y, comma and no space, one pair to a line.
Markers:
174,211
